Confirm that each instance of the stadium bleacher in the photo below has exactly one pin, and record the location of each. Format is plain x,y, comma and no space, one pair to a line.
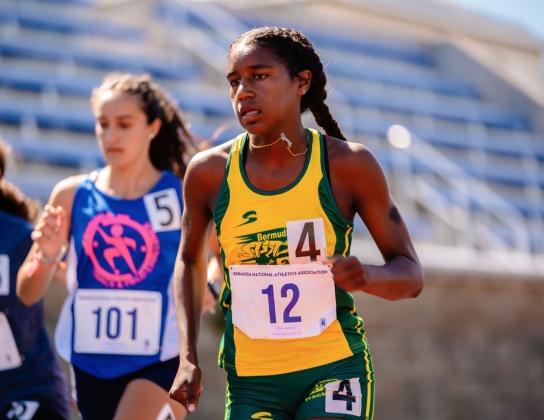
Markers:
377,83
52,20
470,185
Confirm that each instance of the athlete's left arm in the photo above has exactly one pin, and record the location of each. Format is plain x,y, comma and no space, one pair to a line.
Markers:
362,188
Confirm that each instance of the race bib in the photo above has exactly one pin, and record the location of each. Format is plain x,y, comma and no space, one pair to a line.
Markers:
282,301
9,355
4,275
117,321
306,241
163,210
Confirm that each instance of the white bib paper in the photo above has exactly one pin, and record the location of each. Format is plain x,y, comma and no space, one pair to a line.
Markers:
282,301
166,413
4,275
117,321
9,355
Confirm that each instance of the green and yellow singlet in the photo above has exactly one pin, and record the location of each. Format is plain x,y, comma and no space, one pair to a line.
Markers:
252,229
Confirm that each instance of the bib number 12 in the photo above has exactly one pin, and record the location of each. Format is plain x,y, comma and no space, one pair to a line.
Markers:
287,312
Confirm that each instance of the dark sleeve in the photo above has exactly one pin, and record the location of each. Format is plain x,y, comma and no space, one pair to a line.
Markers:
19,252
23,247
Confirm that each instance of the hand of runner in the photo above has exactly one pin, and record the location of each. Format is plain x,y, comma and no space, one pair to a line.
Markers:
348,273
51,231
186,388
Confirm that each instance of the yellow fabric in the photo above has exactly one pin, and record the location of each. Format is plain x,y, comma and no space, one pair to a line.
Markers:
253,231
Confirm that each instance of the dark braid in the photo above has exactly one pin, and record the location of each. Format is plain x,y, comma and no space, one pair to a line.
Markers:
173,145
296,52
12,200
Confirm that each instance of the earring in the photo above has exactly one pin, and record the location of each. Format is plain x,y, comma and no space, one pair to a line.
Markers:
151,135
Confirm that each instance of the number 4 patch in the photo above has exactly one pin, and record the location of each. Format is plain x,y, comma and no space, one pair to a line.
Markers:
306,241
343,397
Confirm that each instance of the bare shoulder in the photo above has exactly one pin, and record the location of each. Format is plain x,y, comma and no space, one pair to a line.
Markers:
205,174
63,193
352,159
357,179
210,158
209,164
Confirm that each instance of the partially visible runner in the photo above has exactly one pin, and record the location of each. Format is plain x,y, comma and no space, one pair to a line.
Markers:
122,224
284,198
32,384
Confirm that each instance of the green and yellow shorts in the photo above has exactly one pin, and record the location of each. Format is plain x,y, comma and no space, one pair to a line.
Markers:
343,389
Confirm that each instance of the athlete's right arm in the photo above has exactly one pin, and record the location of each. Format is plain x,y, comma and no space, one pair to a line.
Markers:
50,235
200,189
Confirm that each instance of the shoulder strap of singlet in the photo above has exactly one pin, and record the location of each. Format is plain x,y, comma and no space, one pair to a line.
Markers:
326,157
220,207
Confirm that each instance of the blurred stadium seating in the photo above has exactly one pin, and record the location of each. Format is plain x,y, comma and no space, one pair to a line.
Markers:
53,53
472,180
470,184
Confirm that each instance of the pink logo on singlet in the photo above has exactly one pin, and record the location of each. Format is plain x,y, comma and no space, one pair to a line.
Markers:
120,260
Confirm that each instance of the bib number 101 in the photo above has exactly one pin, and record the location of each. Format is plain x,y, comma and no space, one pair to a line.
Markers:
117,321
113,322
287,317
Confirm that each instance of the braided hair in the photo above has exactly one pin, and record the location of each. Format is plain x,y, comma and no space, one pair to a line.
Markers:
12,200
173,145
296,52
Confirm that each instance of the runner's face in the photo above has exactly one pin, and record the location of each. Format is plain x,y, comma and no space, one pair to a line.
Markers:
263,94
121,127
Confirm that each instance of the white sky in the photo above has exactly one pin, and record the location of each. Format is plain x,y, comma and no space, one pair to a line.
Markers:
528,14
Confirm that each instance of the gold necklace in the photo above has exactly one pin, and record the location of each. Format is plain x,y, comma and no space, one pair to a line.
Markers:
285,139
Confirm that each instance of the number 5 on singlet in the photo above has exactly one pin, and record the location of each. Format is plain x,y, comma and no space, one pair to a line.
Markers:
163,210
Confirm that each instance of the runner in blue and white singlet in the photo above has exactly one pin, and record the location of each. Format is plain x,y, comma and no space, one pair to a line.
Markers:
120,263
122,227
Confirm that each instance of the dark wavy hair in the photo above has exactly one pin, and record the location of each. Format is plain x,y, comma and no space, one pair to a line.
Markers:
173,145
12,200
296,52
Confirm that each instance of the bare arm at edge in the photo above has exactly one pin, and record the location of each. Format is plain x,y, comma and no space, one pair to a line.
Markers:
33,281
359,186
200,189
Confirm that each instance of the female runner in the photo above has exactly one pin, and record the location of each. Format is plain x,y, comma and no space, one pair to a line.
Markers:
121,225
32,384
283,198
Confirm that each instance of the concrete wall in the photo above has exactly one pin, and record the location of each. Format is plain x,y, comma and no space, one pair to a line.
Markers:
464,349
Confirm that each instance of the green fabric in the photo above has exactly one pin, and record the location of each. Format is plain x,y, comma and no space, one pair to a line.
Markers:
298,395
351,323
